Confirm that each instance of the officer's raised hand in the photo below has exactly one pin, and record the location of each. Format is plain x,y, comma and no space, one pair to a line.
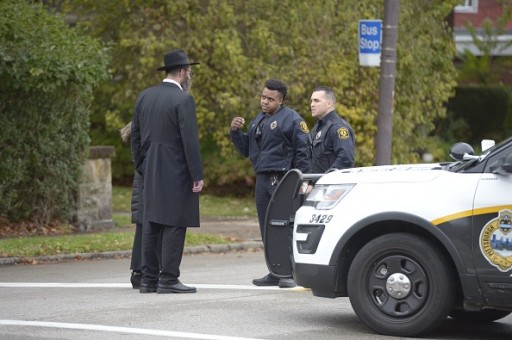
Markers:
237,123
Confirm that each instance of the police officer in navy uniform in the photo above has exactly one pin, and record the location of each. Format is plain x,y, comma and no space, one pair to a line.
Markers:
332,141
276,141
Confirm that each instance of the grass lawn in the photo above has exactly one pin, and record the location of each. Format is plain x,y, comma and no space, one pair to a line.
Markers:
209,205
29,246
121,236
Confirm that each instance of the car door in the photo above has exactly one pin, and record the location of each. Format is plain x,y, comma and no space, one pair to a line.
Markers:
279,224
492,232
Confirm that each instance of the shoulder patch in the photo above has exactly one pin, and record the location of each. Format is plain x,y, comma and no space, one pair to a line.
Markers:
304,127
343,133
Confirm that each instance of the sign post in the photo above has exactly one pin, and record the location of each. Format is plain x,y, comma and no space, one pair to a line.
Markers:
370,42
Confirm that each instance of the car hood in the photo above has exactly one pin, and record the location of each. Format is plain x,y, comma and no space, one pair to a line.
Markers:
385,173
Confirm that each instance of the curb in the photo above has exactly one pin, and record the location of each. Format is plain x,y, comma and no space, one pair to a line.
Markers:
209,248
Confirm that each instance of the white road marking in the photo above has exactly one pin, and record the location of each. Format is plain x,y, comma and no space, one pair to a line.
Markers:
127,285
115,329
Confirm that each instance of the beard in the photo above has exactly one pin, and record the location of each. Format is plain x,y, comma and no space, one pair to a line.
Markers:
186,84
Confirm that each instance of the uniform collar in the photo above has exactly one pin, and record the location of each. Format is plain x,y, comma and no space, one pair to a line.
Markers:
327,116
275,113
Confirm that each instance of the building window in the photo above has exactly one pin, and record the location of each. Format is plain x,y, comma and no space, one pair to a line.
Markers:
468,6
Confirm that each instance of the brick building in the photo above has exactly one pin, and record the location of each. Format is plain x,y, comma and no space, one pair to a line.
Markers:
476,12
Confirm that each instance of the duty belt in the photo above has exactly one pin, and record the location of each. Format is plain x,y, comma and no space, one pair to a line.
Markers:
274,176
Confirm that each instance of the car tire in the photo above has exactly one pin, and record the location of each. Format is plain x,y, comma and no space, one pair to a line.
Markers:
399,284
481,316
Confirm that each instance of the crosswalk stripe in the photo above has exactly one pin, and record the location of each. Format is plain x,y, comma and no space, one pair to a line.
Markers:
116,329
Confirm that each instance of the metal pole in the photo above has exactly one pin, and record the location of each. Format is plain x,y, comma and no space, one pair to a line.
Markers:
383,139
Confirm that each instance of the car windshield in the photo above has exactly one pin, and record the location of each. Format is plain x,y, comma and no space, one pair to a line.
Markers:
462,165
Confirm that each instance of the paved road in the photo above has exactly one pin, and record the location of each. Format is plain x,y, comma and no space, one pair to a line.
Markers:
94,300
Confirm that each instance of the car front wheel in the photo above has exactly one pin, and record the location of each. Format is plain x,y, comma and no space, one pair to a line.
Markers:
399,284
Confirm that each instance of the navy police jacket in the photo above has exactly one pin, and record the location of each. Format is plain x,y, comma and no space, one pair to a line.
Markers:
275,143
332,144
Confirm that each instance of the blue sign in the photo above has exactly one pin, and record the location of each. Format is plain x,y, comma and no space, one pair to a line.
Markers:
370,42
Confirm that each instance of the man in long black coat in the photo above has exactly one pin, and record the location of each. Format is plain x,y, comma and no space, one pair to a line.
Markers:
165,147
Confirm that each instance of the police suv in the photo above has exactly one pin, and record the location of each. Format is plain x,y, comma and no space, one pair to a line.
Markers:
409,245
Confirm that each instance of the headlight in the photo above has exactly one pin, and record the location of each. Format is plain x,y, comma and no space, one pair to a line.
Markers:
325,197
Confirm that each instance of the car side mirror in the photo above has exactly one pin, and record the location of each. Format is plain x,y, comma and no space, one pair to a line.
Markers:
458,150
502,166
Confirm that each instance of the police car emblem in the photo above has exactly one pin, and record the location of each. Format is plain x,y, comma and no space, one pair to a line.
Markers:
273,125
496,243
304,127
343,133
318,134
505,224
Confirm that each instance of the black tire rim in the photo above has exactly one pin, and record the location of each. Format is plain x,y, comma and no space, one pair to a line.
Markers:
397,286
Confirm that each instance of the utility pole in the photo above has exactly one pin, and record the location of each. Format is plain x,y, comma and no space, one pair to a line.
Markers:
383,139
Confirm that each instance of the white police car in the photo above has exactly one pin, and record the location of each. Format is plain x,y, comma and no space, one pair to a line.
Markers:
409,245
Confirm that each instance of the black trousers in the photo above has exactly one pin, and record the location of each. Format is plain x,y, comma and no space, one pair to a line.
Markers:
136,261
173,241
263,192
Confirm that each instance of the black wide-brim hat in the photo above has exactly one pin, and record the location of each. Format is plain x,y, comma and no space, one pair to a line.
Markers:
175,59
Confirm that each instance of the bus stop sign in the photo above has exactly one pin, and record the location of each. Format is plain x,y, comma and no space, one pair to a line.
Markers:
370,42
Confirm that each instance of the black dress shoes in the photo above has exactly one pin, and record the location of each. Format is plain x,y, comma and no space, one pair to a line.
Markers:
135,279
145,288
175,288
267,280
287,283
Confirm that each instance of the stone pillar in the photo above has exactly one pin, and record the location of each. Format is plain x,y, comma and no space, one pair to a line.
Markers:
95,193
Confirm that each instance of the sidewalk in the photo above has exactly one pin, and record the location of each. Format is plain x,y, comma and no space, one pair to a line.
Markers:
244,234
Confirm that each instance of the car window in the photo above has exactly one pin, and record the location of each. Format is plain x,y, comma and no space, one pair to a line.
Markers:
491,159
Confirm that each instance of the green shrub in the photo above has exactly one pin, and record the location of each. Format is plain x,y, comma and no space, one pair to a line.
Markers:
48,71
239,46
478,112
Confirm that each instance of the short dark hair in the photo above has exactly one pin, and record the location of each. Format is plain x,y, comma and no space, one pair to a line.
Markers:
329,92
277,85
